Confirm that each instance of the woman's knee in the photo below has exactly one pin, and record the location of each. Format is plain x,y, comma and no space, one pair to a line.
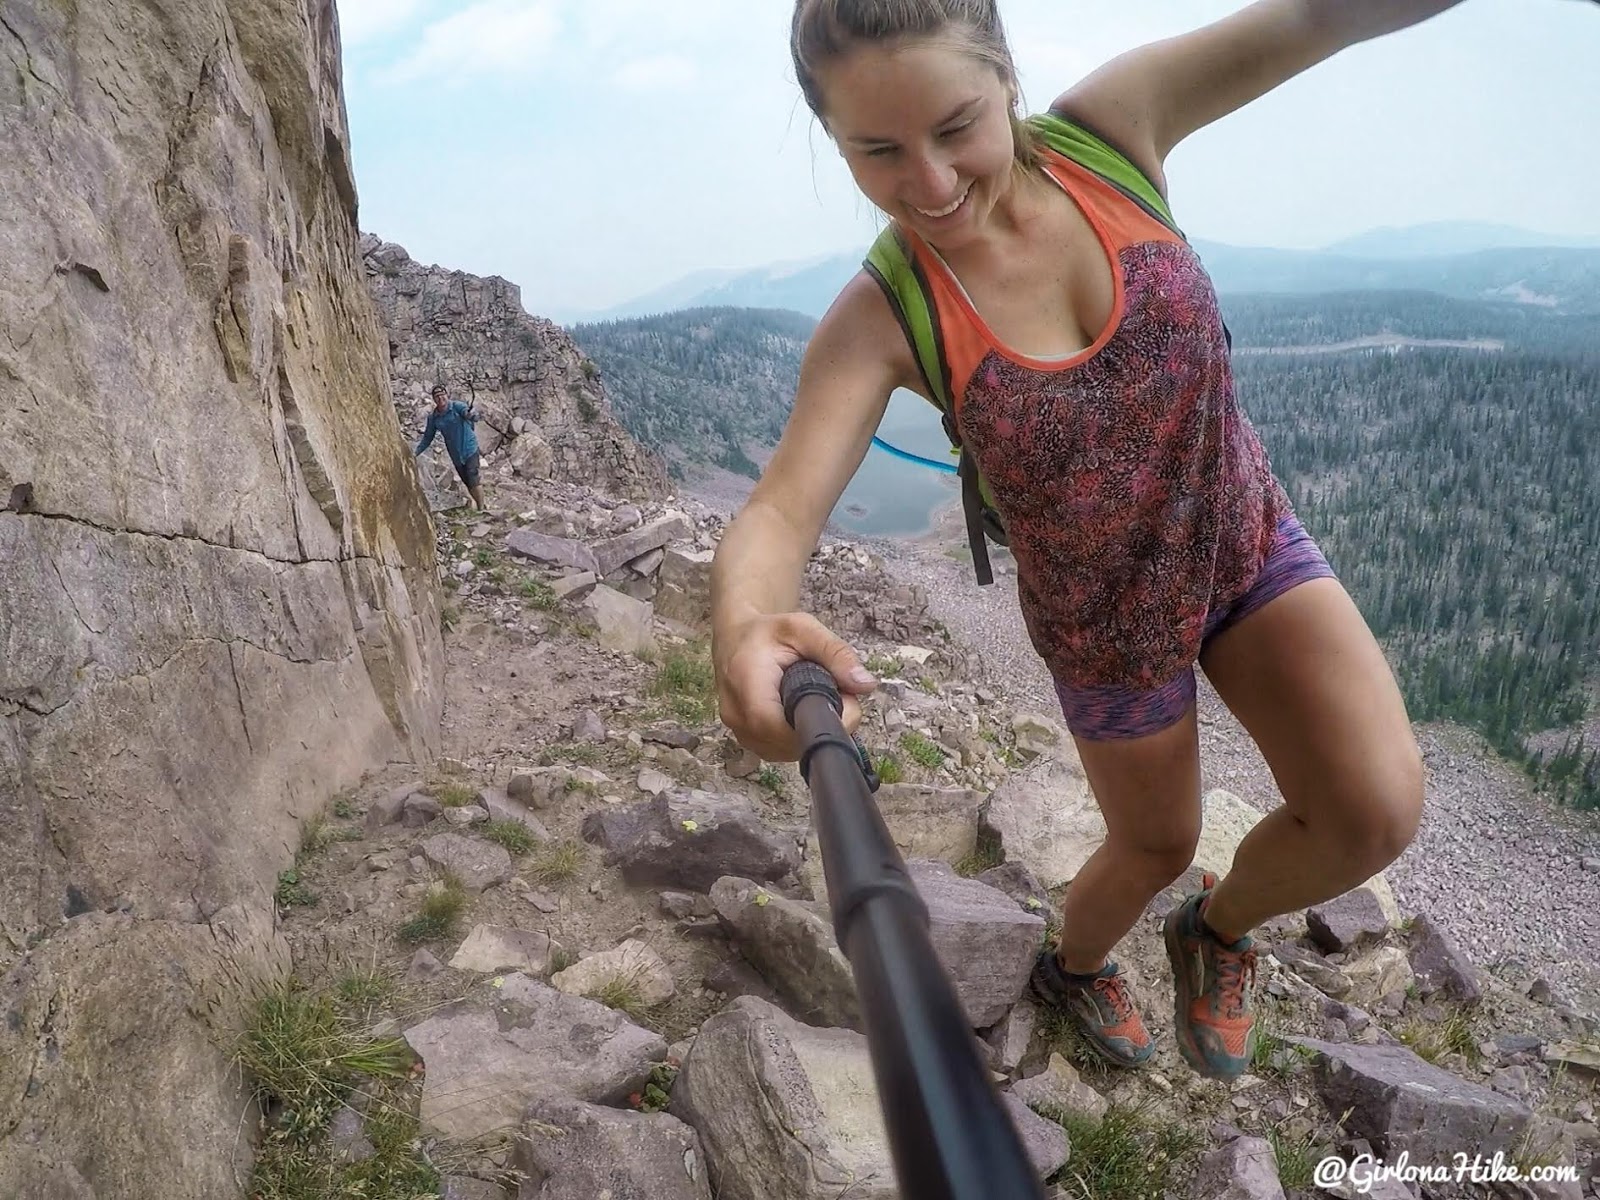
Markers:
1157,856
1377,822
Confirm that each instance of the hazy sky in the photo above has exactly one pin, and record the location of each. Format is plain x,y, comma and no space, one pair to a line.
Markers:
592,150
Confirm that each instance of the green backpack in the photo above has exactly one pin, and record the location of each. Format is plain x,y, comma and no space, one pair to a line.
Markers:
891,263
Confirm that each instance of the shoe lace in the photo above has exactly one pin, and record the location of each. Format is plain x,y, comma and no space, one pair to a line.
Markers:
1236,974
1114,991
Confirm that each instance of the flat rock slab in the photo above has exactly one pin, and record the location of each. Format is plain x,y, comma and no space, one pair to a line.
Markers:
1046,818
1011,1038
611,553
786,1111
633,964
491,1055
476,863
690,839
1313,968
498,948
986,942
794,950
501,807
575,1151
560,551
931,822
1399,1103
1021,884
622,622
1059,1087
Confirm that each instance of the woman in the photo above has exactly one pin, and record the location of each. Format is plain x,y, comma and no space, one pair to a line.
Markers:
1094,390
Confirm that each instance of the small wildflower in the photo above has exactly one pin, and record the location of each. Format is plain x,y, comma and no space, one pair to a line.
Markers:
691,826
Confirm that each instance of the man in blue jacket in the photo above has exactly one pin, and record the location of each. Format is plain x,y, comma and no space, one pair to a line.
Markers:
455,421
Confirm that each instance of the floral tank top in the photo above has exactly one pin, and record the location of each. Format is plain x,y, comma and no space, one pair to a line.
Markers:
1136,495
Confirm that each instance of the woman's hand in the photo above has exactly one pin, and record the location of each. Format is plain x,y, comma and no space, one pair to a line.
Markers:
750,664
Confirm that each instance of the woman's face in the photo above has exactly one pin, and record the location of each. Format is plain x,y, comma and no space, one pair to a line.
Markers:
924,128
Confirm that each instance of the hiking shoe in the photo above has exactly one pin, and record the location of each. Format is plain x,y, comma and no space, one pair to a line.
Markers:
1213,1014
1100,1006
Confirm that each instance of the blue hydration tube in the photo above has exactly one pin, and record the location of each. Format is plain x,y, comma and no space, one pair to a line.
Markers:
914,458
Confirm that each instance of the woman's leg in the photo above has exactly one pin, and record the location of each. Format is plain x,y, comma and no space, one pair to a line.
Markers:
1148,790
1141,756
1309,683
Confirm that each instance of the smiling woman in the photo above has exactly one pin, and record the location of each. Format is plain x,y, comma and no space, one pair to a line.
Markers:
1080,360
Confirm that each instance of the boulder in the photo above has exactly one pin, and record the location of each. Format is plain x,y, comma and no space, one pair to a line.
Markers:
984,940
1400,1103
569,1150
794,950
515,1041
786,1111
690,839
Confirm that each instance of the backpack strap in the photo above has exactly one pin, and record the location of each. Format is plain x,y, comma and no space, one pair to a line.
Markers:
898,273
1089,150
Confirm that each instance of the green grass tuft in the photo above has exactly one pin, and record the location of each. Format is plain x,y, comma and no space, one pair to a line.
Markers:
920,750
557,862
304,1058
1125,1156
516,837
442,907
687,681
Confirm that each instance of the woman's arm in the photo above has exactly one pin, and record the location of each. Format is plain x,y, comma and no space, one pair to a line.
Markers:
1148,100
846,378
854,361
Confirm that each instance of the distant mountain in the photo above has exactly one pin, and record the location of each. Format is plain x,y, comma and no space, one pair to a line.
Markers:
1564,278
804,287
678,294
1560,279
1442,238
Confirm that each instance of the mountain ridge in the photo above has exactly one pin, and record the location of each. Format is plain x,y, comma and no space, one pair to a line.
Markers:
1463,260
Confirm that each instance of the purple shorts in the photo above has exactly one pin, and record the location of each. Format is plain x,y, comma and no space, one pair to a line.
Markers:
1101,714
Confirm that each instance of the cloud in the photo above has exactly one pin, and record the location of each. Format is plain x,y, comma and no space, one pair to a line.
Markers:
364,20
660,73
493,37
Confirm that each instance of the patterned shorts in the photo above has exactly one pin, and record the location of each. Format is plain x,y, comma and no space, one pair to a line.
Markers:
1102,714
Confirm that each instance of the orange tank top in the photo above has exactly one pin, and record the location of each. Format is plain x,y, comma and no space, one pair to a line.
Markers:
1136,495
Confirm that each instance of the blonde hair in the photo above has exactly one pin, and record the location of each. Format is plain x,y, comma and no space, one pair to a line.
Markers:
824,30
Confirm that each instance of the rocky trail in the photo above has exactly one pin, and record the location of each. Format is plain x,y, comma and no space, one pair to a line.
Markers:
594,938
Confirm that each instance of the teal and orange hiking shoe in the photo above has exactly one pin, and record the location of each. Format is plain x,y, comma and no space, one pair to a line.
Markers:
1213,1017
1100,1007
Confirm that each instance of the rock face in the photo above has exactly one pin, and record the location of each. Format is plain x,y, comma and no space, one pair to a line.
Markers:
216,568
543,410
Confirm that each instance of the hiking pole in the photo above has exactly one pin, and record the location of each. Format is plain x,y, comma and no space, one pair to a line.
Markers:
949,1134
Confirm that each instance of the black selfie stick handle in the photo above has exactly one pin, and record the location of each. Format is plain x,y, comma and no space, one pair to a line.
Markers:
950,1136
